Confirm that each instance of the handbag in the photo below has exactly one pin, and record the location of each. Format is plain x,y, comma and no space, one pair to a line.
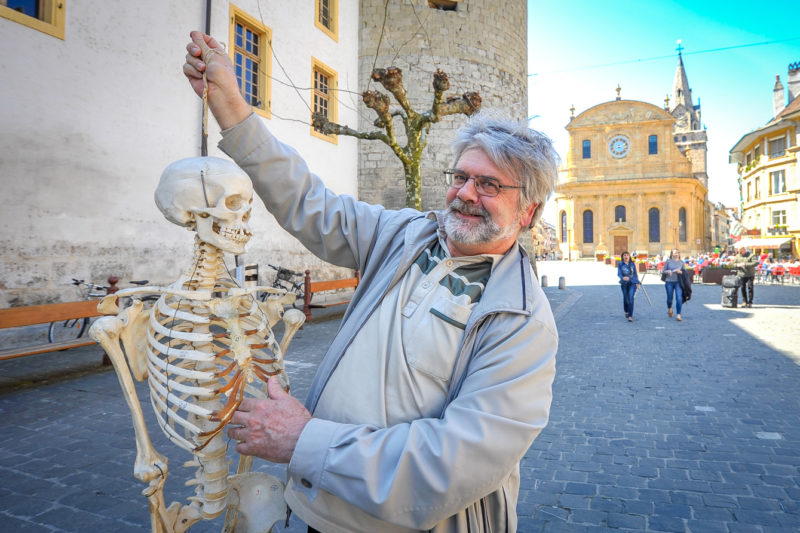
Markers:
663,276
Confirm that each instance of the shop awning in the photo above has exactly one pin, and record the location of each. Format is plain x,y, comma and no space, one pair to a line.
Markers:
763,244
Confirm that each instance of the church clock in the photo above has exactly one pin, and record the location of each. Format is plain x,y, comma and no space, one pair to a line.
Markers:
619,146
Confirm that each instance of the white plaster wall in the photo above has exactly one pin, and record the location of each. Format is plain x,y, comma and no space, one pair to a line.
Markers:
89,122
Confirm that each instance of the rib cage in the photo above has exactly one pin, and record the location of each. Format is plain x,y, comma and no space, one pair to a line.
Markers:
203,357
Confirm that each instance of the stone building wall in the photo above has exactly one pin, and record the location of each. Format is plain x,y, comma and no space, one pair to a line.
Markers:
481,45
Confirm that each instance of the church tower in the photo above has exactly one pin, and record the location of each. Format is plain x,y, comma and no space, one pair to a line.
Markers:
690,136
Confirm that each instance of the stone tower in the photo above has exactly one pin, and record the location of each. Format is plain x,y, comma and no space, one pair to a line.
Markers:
482,46
690,136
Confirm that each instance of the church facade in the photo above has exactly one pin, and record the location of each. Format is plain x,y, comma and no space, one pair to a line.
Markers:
635,179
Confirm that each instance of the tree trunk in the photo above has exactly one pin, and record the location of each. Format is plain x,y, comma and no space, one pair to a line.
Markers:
413,184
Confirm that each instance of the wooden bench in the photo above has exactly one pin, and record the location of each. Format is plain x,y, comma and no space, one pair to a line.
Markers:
41,314
315,287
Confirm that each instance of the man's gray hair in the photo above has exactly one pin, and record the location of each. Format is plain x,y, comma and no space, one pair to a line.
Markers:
523,153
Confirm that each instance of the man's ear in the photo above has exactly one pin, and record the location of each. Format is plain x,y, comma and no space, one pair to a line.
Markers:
527,215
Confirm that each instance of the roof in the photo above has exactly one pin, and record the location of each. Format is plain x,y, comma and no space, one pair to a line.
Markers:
773,125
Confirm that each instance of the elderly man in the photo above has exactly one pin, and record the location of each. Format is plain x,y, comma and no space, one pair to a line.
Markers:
440,375
745,264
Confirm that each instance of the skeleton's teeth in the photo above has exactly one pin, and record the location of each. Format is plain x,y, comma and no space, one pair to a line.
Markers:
232,233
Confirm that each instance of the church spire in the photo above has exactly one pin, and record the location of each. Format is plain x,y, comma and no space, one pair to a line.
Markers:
681,93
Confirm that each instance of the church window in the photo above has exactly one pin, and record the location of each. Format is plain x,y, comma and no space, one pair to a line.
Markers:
326,16
588,226
619,213
778,181
251,42
587,149
777,147
323,99
563,226
682,224
655,225
46,16
652,144
683,137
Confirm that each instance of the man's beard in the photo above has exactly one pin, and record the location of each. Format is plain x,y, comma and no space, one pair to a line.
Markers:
474,232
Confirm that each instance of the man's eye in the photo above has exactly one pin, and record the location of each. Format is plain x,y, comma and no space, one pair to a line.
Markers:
459,178
489,185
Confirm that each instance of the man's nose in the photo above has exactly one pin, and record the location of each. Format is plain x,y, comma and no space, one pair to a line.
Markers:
468,192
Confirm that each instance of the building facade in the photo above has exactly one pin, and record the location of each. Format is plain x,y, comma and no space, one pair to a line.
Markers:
768,163
635,179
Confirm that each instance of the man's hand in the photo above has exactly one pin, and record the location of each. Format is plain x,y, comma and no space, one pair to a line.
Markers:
269,428
205,54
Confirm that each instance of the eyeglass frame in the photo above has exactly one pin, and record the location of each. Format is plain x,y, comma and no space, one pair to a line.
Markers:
450,174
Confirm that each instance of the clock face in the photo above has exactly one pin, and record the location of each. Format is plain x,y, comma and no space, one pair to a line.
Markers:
618,146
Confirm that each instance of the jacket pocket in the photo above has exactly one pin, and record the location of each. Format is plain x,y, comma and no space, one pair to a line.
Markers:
432,341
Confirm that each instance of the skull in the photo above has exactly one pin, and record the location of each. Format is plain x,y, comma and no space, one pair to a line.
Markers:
209,195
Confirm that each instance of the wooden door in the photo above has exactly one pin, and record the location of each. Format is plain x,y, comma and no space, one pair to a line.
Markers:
620,244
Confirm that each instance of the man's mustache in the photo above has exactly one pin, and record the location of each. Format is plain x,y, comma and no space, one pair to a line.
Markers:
463,207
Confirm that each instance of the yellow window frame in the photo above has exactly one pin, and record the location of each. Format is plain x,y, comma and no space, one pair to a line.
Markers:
263,58
331,31
52,21
329,96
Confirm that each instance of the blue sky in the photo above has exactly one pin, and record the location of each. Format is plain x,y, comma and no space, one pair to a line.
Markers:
579,50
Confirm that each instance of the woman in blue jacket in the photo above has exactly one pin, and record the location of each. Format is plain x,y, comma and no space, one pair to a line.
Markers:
628,279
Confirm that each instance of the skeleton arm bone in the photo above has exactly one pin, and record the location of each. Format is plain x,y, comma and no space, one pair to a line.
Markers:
149,465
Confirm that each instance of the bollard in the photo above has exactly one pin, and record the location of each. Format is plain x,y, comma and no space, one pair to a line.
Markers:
543,281
562,283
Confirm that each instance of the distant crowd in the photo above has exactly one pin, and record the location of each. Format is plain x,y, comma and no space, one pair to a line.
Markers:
769,268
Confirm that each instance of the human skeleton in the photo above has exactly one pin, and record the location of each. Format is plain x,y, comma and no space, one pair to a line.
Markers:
204,345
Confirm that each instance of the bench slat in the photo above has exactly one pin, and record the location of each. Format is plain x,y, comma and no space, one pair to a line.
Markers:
44,348
40,314
319,286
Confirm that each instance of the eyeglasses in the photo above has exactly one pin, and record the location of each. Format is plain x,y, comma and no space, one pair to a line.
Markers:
484,185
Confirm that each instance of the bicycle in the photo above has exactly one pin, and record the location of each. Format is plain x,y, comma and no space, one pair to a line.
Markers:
288,280
64,330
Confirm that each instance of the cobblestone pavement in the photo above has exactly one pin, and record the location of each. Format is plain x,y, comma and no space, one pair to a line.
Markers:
655,425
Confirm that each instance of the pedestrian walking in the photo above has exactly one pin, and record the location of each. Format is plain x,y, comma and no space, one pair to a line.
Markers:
673,270
745,264
628,280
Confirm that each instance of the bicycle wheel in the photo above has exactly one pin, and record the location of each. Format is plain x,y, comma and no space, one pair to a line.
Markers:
66,330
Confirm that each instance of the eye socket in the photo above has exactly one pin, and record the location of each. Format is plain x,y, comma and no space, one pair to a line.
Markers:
235,202
203,215
488,186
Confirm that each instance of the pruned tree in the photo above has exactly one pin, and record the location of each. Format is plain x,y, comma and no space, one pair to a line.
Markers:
416,125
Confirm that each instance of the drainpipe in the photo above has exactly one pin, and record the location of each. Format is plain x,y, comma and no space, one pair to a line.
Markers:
203,132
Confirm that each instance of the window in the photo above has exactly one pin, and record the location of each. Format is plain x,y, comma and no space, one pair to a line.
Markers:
777,147
563,226
326,15
587,149
779,217
748,159
756,152
748,191
444,5
588,226
758,184
652,144
251,59
777,181
682,224
619,213
46,16
655,225
323,79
